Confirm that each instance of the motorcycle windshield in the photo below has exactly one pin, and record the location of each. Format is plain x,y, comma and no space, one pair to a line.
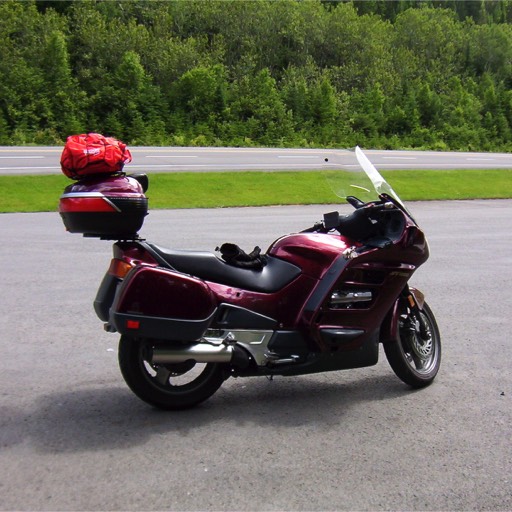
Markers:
350,173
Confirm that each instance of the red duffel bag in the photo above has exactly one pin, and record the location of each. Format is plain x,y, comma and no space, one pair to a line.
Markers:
91,154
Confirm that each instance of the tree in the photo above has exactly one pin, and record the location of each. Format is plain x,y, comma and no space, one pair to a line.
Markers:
490,50
200,93
257,110
65,102
24,95
427,72
368,117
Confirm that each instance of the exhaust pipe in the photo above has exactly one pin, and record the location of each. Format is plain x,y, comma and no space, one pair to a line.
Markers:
201,353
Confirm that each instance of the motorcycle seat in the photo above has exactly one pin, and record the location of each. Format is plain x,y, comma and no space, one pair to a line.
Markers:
275,275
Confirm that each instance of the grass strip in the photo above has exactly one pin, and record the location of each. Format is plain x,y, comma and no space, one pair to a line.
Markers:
222,189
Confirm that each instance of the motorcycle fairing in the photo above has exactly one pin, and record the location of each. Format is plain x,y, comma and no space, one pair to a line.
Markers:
313,252
367,354
348,306
284,304
296,358
229,316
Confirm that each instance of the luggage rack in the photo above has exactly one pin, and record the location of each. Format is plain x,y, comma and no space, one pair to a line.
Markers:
119,237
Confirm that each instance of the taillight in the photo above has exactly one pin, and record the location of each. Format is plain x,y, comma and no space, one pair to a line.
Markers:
83,202
119,268
132,324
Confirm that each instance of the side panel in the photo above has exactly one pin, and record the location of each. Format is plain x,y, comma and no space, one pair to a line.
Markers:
155,291
284,306
159,303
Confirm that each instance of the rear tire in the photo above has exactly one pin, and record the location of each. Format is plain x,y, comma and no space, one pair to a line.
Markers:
414,358
169,386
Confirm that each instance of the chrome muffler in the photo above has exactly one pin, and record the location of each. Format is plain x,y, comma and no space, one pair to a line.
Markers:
201,353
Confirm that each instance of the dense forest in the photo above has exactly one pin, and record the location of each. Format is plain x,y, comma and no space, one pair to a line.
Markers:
382,74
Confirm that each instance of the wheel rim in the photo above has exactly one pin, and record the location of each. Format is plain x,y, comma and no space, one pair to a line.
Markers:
421,351
173,378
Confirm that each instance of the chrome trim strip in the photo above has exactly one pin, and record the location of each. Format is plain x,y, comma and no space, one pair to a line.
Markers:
349,296
81,194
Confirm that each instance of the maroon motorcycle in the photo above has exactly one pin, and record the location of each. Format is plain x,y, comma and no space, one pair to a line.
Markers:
319,300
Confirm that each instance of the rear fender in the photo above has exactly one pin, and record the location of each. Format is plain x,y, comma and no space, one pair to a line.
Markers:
105,296
389,327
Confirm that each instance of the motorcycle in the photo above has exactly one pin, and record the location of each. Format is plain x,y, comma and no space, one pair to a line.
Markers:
319,300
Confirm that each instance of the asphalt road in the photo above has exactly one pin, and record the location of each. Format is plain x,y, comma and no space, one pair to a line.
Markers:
73,437
45,160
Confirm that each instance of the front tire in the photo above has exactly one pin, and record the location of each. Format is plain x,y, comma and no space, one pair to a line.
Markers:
169,386
416,356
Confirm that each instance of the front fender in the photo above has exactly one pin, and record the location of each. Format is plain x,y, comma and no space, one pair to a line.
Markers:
389,327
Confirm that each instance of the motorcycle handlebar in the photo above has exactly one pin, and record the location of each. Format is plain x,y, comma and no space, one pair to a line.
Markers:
333,220
318,227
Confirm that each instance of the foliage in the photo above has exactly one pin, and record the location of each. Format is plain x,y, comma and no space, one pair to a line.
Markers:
408,73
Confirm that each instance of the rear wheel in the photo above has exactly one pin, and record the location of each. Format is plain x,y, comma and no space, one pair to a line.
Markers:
168,386
416,356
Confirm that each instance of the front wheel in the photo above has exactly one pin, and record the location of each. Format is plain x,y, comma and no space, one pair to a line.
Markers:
416,356
168,386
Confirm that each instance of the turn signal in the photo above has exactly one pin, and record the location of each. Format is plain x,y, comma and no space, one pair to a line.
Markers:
119,268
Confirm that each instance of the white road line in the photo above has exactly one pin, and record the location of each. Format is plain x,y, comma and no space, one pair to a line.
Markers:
443,166
172,156
54,167
227,166
19,157
399,158
300,156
